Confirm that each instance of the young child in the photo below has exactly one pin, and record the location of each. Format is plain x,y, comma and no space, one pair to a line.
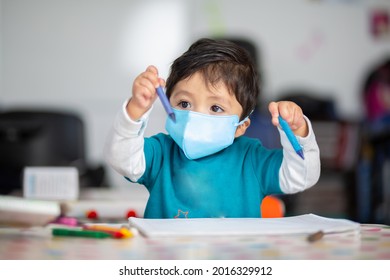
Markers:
205,167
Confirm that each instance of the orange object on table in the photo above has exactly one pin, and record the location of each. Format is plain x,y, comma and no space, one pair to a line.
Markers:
272,207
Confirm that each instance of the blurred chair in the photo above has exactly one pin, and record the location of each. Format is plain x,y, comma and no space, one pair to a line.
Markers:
374,165
43,138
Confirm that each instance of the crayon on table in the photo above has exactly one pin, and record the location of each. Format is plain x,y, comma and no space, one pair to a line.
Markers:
315,236
79,233
115,231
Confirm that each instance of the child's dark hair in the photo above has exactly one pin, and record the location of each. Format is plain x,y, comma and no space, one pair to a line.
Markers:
219,60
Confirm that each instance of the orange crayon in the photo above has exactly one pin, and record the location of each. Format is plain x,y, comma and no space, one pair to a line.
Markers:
114,231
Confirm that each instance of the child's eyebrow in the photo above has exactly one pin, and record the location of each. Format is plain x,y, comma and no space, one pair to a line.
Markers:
220,99
182,92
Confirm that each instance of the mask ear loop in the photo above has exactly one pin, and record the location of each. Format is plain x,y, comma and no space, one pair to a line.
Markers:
244,120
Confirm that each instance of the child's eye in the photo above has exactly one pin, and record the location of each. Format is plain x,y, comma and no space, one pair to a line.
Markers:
216,109
184,104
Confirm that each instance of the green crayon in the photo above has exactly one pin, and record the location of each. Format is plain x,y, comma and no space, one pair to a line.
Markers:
79,233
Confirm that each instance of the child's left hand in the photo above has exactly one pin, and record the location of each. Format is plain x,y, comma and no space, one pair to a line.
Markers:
292,114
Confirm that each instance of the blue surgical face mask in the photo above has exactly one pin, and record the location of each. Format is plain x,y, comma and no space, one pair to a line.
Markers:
200,135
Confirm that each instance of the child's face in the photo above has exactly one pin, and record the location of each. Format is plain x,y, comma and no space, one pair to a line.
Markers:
195,95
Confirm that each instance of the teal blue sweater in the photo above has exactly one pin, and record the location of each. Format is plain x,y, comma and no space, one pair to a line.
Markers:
230,183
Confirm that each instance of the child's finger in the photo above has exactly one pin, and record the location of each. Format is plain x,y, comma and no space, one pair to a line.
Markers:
273,109
152,77
286,111
157,81
152,69
147,87
298,120
292,114
161,82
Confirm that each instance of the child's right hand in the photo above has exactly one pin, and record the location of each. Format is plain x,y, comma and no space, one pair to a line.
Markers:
144,92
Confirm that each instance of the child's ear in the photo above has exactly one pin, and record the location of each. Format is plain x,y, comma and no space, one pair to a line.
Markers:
242,128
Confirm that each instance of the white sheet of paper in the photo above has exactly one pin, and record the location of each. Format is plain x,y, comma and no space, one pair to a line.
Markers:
302,224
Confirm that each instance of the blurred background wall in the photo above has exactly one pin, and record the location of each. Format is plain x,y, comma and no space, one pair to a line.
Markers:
325,45
84,54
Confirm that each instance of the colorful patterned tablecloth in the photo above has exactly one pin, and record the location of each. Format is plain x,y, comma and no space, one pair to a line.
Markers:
372,242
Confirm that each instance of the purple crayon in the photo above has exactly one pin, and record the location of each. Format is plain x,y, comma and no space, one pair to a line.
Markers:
165,103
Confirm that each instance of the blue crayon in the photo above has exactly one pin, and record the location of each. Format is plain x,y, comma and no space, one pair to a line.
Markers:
165,103
291,137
